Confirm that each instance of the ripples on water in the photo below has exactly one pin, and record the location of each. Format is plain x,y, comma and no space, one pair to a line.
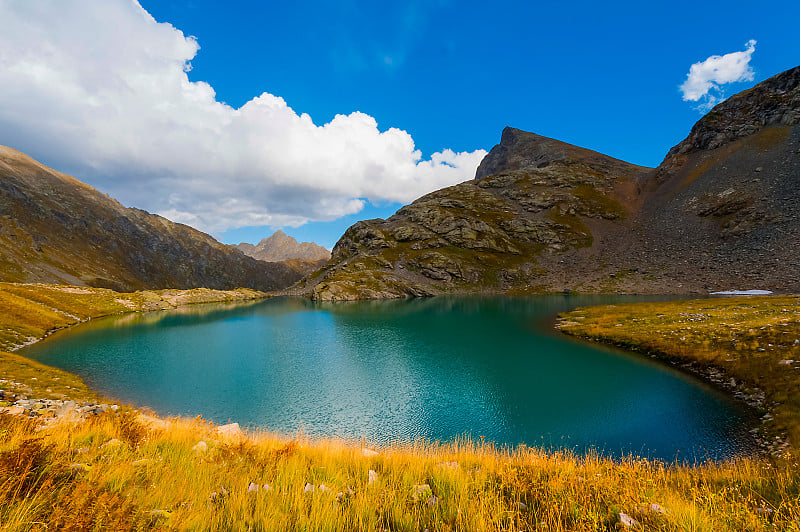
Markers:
400,370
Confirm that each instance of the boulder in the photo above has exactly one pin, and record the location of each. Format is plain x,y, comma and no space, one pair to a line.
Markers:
627,521
230,431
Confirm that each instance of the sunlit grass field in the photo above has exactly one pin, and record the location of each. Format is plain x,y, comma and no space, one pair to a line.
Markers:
116,473
123,470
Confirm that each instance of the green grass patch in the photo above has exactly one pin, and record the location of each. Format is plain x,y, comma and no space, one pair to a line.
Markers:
26,377
599,203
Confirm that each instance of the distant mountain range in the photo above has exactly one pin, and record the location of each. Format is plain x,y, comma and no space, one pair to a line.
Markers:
722,211
56,229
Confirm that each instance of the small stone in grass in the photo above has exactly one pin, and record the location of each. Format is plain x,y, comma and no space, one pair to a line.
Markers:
373,477
627,521
252,488
200,448
310,488
652,508
656,508
420,491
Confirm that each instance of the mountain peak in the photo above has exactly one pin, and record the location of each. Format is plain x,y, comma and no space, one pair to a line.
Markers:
280,247
521,150
279,235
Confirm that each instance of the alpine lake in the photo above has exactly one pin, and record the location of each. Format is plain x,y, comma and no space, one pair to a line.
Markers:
490,369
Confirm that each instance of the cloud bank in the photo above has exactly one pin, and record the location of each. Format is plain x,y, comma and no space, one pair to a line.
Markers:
705,79
100,89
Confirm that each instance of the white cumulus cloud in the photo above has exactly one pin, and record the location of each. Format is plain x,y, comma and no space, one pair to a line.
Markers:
100,89
705,79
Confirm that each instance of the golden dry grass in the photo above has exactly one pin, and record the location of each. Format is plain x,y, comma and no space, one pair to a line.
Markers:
115,473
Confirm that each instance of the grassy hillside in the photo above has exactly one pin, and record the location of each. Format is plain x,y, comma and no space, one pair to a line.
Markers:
120,469
56,229
30,311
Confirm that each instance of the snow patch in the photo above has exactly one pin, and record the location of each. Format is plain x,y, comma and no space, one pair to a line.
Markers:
742,293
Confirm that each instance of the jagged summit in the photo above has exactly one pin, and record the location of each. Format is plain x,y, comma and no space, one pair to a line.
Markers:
280,247
520,150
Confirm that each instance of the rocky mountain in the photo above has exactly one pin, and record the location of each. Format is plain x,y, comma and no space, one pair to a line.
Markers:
280,247
722,211
303,257
56,229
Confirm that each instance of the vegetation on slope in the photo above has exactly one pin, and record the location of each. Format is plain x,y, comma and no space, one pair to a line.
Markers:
748,344
56,229
477,236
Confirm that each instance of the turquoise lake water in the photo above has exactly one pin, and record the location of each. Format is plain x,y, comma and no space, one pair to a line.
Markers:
437,368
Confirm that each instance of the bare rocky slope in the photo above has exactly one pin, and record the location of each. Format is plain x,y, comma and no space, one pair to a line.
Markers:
56,229
721,212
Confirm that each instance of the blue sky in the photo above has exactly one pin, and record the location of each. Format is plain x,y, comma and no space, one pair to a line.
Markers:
449,74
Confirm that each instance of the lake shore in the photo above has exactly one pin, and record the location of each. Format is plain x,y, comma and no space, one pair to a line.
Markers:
115,467
747,346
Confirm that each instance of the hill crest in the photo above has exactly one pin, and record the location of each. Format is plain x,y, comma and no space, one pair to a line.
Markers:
57,229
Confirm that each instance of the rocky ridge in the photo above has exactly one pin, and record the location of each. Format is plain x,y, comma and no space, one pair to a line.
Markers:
544,216
56,229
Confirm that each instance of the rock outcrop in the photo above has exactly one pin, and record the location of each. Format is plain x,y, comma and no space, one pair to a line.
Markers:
56,229
488,234
721,212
